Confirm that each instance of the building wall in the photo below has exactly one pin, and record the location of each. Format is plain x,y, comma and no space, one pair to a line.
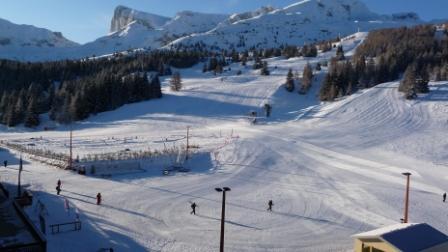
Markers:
378,245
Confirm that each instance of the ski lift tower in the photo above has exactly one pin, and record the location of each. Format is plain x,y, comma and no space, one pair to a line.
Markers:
70,158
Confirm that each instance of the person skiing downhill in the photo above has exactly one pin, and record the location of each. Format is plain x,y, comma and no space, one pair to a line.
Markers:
98,199
444,197
270,204
193,208
59,183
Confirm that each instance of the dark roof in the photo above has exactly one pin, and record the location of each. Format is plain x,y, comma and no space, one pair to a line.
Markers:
415,237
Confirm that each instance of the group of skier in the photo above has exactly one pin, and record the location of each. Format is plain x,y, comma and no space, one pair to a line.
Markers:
59,186
194,206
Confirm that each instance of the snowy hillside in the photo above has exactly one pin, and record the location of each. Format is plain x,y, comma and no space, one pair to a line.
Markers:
146,31
332,169
303,22
14,35
251,14
188,22
17,40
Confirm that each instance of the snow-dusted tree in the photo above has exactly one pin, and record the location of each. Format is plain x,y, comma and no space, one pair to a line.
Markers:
407,85
176,82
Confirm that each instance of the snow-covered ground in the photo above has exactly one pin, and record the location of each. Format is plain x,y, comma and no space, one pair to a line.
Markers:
332,169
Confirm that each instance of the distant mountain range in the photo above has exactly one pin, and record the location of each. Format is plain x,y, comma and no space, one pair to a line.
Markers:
303,22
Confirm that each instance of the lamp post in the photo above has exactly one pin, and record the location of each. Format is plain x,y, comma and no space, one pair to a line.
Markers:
19,189
223,215
406,200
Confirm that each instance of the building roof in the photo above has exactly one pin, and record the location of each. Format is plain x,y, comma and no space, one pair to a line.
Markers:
14,230
407,237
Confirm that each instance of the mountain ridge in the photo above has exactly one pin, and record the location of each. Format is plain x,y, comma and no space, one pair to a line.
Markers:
306,21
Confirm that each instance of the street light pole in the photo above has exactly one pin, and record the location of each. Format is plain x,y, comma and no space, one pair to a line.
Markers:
188,142
19,189
70,161
223,215
406,201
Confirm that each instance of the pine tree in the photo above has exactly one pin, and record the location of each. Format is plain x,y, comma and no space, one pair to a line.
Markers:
326,93
176,82
307,79
382,71
156,90
64,115
212,63
4,102
407,85
235,56
78,109
264,70
421,85
244,59
289,81
16,112
32,115
257,63
267,109
218,69
50,97
340,53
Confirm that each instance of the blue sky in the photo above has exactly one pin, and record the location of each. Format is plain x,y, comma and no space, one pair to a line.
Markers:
86,20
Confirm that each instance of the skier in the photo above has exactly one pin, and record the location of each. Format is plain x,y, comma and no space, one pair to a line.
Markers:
193,207
444,197
270,204
98,199
58,189
59,183
5,163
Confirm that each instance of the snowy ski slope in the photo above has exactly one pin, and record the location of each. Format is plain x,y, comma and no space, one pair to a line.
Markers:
332,169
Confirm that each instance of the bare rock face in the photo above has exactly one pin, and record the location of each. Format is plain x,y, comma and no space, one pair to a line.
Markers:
123,16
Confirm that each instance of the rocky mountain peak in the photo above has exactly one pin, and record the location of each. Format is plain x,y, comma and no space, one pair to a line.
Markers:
123,16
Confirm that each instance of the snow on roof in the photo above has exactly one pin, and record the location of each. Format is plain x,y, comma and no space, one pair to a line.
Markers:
384,230
407,237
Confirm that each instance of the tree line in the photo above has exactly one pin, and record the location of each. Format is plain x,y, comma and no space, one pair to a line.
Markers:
420,53
72,90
